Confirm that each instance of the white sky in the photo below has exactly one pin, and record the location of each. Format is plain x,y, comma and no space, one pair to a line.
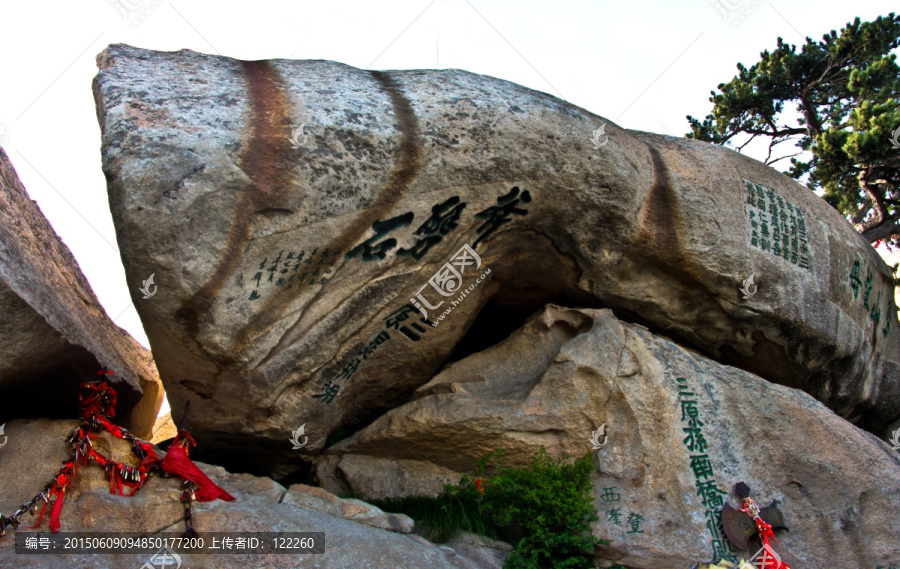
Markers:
643,65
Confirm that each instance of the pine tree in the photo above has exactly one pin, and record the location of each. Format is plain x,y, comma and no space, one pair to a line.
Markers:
845,133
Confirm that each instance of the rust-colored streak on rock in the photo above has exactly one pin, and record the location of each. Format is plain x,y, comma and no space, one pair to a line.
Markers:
660,216
410,153
409,158
409,162
267,153
264,160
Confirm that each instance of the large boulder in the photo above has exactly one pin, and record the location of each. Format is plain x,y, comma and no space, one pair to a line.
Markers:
261,505
659,478
55,333
326,238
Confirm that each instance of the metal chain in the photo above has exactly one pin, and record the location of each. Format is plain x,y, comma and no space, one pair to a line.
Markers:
80,445
188,496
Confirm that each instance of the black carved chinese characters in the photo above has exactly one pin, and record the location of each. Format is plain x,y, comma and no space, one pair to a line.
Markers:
371,250
445,217
443,220
502,213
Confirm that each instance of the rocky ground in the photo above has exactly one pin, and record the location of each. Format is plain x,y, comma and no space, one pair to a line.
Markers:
357,534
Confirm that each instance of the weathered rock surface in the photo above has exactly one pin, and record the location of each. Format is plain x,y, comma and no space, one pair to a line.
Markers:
163,429
321,500
54,330
37,447
567,372
375,478
290,209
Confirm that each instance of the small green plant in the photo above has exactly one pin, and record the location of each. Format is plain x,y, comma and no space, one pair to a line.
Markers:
456,509
545,510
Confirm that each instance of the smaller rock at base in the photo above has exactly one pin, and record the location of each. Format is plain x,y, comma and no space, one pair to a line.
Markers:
351,509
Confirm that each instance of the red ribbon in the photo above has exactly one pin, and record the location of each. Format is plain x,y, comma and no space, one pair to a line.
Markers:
41,517
178,463
62,480
98,401
765,530
57,509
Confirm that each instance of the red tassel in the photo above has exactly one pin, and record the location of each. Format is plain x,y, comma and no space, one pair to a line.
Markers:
41,517
115,481
137,487
177,462
62,480
56,511
765,531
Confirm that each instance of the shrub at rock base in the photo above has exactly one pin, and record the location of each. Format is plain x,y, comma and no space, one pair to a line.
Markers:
545,510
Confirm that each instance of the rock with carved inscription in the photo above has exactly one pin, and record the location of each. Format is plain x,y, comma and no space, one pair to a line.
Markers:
54,331
326,239
681,431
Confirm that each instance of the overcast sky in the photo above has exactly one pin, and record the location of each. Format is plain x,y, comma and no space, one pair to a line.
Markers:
642,65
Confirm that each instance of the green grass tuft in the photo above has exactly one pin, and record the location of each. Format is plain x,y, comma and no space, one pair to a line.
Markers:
544,510
442,516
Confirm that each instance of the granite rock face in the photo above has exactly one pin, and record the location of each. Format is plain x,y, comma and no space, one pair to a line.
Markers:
376,478
326,239
55,333
315,498
681,431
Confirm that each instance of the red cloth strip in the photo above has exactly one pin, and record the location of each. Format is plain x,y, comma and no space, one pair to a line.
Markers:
177,462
